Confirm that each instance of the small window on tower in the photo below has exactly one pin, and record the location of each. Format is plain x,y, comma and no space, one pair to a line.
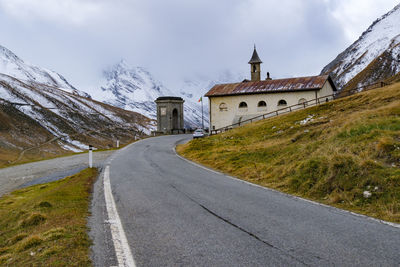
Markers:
254,68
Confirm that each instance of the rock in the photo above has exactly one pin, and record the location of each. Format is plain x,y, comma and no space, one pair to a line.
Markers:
367,194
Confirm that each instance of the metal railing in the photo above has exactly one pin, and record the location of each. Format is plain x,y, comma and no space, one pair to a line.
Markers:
306,104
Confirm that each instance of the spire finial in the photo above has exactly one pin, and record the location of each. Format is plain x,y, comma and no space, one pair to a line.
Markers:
255,58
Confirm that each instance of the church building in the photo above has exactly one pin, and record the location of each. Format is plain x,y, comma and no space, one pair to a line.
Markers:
235,102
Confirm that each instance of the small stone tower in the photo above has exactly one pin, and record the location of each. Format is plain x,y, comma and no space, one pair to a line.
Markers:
170,114
255,63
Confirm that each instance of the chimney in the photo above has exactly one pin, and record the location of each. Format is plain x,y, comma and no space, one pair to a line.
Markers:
268,77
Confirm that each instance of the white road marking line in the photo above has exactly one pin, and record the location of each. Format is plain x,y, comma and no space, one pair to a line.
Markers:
122,249
395,225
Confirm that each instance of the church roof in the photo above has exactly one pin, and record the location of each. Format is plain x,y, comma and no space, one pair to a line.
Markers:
255,58
272,86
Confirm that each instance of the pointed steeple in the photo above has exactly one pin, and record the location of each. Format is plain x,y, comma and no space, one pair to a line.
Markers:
255,58
255,66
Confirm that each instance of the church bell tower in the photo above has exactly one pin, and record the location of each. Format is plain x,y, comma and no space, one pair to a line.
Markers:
255,66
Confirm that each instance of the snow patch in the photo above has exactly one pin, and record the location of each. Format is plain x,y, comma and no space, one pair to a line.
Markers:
306,120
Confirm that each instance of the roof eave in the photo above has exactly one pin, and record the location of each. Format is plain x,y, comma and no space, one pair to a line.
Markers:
264,92
333,84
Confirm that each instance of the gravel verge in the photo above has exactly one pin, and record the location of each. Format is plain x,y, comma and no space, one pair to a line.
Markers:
19,176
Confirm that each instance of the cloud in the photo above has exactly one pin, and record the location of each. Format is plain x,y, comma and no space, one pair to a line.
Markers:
356,15
177,39
73,12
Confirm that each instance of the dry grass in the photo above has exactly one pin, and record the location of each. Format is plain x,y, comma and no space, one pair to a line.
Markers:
45,225
351,145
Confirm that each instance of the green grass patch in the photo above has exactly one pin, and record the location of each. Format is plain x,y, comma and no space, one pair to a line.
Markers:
350,145
45,225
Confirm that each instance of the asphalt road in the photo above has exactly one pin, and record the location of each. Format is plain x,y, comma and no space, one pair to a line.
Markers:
175,213
44,171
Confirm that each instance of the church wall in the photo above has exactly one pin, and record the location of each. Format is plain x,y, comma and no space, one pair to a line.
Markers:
233,113
326,90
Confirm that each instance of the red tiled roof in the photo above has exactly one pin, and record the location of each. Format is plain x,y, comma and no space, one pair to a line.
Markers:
271,86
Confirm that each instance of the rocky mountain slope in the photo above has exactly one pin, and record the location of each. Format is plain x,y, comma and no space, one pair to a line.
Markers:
38,119
135,89
374,57
12,65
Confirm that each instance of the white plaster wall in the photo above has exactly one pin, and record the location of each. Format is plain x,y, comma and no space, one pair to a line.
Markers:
221,119
326,90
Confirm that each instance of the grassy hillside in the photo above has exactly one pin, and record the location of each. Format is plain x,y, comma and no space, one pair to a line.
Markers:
331,153
46,225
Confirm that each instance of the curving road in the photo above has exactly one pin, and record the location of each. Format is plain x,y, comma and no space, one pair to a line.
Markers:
175,213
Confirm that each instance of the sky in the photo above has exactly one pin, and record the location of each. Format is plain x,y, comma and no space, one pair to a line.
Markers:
183,39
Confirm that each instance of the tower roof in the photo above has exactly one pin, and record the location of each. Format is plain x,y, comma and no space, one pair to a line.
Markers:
255,58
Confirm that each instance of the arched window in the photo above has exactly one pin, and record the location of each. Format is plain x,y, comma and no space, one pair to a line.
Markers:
223,107
303,101
261,104
282,103
243,105
254,68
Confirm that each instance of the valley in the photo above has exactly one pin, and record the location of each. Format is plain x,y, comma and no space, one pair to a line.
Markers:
291,169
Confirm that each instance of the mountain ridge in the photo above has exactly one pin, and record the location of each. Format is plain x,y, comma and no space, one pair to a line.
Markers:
373,57
135,89
14,66
39,119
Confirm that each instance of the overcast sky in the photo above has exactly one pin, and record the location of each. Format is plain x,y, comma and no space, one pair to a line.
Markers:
178,39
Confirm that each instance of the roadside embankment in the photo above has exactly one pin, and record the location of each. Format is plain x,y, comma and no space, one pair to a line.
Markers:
344,153
46,225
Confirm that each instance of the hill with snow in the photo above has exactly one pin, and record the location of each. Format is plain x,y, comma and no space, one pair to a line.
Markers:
375,56
135,89
13,66
41,113
194,87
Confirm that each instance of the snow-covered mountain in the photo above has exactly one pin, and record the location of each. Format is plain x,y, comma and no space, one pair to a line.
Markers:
373,57
12,65
71,121
37,117
135,89
194,87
